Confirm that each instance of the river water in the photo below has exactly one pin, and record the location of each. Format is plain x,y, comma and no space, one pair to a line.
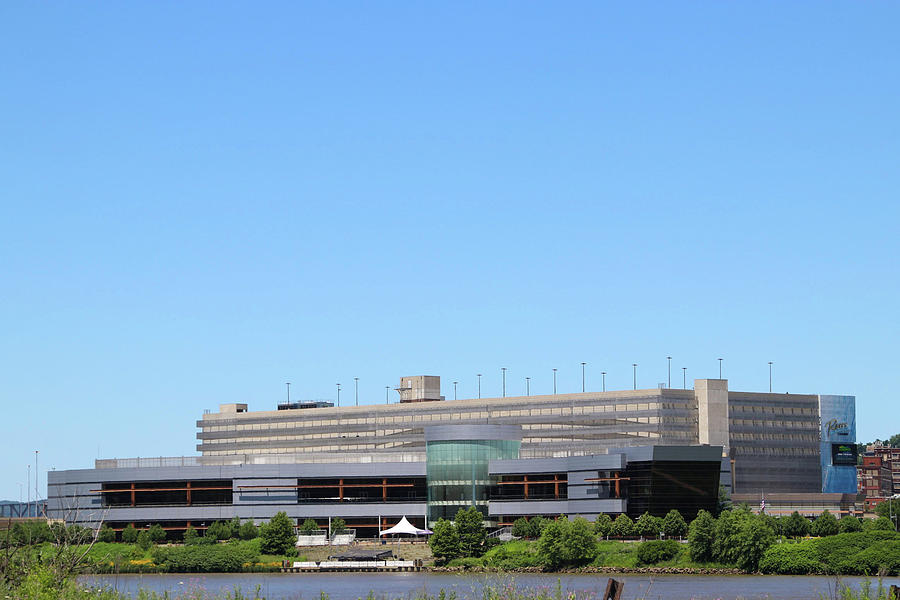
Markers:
350,586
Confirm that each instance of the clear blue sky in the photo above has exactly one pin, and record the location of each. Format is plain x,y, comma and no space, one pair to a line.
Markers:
202,201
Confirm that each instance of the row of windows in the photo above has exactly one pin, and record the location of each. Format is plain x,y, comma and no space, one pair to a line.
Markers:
797,437
774,410
776,451
774,423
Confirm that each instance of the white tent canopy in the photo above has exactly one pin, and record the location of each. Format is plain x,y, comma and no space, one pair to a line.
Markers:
406,527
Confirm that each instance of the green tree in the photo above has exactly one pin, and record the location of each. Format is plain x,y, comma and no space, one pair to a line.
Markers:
727,533
107,534
795,525
622,526
338,526
143,540
888,508
849,524
825,524
674,524
248,530
235,526
894,441
537,526
469,525
754,538
647,526
278,535
603,525
157,534
309,527
190,536
220,530
565,543
700,537
880,523
521,528
444,541
129,534
724,500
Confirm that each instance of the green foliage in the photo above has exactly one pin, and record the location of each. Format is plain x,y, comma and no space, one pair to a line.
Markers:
567,543
700,537
157,534
235,526
107,534
143,540
537,526
655,551
836,549
754,538
825,524
879,524
444,541
220,530
338,525
517,554
887,508
881,558
471,532
278,534
190,536
648,526
217,558
674,524
792,559
622,526
724,500
794,525
849,524
129,534
725,535
248,531
521,528
603,525
309,527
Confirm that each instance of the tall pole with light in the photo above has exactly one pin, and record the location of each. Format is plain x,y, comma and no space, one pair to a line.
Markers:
387,390
554,382
720,368
503,376
454,389
528,386
356,389
288,384
479,385
669,366
603,375
684,378
634,375
582,376
770,376
338,395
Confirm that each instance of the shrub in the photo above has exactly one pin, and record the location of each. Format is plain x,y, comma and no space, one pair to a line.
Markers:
537,526
107,534
157,534
521,528
444,541
219,531
278,534
190,536
565,543
825,524
512,555
338,525
622,526
603,525
218,558
309,527
834,550
674,525
235,526
849,524
129,534
754,538
469,562
881,558
655,551
700,537
248,531
143,540
792,559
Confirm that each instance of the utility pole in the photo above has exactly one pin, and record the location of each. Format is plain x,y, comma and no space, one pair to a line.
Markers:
37,476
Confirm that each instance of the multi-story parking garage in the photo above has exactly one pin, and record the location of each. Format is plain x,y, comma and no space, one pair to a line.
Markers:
424,458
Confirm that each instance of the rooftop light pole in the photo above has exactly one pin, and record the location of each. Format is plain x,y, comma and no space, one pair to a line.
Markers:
387,389
454,389
288,384
479,385
582,376
634,374
684,378
528,386
720,368
669,359
554,381
339,395
503,373
603,375
356,393
770,376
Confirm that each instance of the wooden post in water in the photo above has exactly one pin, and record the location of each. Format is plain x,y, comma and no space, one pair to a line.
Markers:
614,589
